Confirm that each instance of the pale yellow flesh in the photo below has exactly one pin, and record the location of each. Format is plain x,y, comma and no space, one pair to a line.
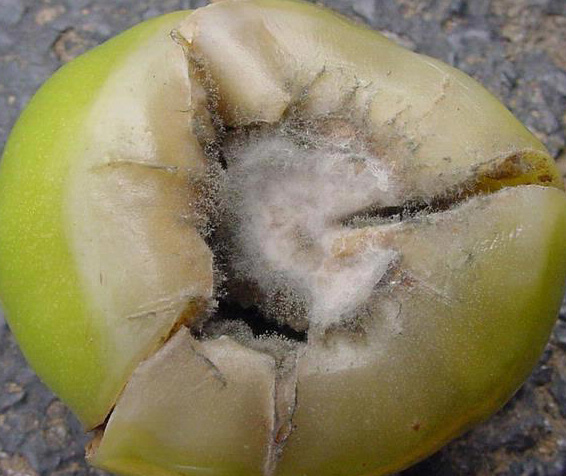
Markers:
443,350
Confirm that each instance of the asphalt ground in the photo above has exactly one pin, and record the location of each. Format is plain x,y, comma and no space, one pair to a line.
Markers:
516,48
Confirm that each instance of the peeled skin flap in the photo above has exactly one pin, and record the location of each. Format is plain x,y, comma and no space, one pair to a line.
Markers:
99,256
193,408
131,206
262,60
462,321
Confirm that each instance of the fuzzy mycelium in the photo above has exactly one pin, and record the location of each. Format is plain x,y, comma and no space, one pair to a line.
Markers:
260,239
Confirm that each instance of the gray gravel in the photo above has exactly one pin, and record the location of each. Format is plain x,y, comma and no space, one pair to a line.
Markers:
517,48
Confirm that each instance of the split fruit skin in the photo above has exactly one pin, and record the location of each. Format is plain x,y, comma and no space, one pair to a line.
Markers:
101,262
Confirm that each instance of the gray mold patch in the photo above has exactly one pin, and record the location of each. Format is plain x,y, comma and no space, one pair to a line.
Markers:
284,193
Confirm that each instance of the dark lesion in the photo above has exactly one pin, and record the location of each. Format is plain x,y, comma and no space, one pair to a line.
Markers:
250,319
377,214
239,305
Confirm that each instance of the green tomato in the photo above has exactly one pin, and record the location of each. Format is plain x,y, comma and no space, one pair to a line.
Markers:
272,155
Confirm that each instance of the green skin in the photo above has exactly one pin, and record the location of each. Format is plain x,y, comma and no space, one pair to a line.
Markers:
61,328
42,293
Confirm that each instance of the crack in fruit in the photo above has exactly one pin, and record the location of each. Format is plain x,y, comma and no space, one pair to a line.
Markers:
284,405
172,169
499,173
215,371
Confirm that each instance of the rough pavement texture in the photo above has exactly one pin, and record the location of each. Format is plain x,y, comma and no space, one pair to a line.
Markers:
517,48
